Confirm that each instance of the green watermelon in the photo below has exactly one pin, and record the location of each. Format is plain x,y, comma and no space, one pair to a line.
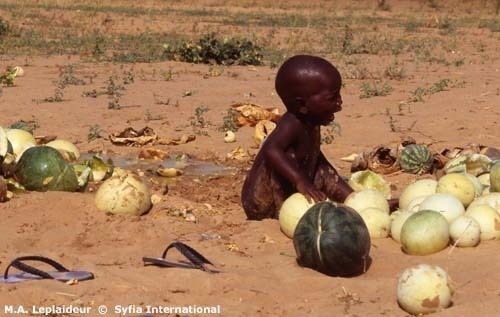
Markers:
332,238
416,159
42,168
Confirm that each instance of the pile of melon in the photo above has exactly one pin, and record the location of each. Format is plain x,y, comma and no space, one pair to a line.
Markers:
459,209
56,166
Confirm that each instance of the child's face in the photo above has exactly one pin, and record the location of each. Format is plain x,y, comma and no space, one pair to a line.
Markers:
322,105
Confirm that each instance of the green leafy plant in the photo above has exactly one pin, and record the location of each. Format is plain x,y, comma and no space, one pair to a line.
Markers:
4,27
229,121
128,77
98,50
412,25
441,85
211,50
8,77
372,43
115,91
383,5
375,89
67,76
94,133
198,121
58,93
148,116
491,24
395,71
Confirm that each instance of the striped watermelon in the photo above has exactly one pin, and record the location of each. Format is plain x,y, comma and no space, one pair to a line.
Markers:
416,159
332,238
42,168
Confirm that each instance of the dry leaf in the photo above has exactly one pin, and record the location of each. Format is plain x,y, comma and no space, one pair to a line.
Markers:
262,129
132,137
249,114
232,247
44,139
384,160
185,138
238,154
350,158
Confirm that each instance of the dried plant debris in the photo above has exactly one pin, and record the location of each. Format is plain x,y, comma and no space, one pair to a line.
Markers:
250,114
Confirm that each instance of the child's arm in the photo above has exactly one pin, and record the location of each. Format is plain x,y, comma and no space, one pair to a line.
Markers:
275,150
329,180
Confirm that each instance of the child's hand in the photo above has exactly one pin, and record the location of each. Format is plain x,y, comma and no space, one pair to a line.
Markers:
310,191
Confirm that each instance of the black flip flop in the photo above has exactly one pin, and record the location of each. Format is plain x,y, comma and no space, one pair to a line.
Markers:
197,261
29,272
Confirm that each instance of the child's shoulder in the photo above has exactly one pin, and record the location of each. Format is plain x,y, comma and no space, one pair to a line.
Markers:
289,118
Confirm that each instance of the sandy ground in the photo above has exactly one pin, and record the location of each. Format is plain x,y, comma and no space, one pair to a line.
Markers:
259,276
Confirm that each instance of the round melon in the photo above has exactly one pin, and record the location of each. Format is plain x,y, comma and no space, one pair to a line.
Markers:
458,185
491,199
123,195
68,150
421,187
20,141
487,218
465,232
416,159
292,209
478,186
425,232
332,238
495,177
368,179
367,198
448,205
424,289
18,71
397,223
42,168
377,221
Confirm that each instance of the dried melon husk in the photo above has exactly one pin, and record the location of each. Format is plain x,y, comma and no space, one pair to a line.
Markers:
475,164
370,180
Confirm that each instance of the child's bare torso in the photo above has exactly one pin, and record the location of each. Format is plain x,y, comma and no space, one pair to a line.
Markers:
306,149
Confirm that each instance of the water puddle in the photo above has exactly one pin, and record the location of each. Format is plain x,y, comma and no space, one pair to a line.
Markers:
190,166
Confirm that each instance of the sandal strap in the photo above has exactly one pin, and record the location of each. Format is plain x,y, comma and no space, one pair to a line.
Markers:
198,261
163,262
191,254
20,265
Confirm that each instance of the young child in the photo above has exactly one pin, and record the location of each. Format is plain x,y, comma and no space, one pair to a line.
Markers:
290,159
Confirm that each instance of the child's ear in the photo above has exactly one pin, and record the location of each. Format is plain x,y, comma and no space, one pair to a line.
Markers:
301,105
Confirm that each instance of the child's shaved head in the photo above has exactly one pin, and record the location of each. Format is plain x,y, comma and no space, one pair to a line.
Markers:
296,76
